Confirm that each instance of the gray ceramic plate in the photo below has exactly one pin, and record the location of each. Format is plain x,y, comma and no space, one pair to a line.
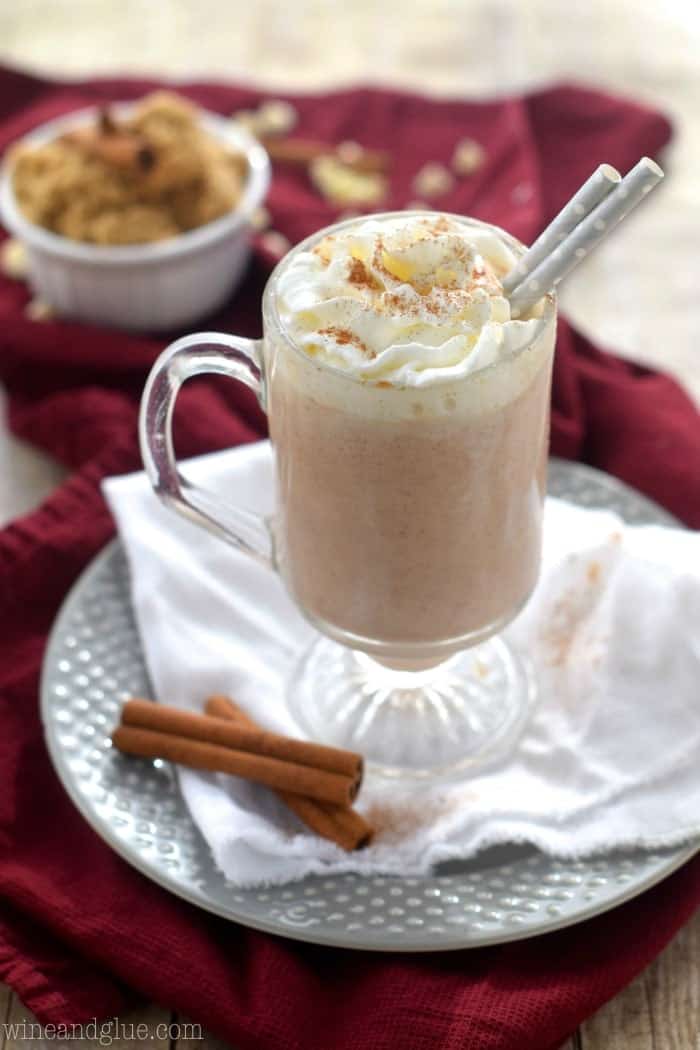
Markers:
94,662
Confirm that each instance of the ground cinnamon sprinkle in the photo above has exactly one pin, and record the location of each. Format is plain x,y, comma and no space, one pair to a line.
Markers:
569,614
343,336
360,276
323,249
558,634
398,304
377,257
593,572
440,225
451,298
393,822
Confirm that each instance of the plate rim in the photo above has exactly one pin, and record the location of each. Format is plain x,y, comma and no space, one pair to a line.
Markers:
680,856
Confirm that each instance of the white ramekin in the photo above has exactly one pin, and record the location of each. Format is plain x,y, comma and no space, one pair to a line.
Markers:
162,285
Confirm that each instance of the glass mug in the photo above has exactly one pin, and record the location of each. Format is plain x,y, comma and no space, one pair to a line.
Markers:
407,530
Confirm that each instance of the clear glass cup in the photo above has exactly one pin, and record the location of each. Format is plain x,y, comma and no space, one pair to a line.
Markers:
407,531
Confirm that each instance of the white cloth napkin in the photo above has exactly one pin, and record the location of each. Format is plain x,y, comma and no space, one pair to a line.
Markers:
610,757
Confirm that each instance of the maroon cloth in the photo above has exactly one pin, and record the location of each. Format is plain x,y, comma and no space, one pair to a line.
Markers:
81,931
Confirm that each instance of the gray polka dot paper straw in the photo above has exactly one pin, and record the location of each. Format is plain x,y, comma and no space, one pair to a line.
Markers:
587,235
594,190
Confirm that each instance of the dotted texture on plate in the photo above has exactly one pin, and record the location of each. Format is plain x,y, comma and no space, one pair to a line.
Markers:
94,662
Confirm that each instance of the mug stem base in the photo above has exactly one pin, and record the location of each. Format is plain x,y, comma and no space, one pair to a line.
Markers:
450,720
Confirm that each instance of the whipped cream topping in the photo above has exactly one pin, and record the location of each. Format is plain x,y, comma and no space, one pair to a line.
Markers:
406,300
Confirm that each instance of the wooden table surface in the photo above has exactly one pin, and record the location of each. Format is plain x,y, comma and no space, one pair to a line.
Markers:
625,296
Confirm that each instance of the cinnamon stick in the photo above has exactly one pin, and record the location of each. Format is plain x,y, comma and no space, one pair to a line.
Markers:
106,122
174,720
272,772
343,826
301,152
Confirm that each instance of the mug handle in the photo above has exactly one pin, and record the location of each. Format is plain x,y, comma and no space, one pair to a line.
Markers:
207,352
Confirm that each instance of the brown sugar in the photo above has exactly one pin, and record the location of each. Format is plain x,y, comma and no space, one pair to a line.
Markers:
152,175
